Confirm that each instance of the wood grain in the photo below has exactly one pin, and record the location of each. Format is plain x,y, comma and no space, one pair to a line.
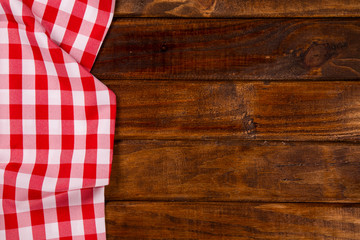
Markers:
230,49
296,111
180,220
235,171
237,8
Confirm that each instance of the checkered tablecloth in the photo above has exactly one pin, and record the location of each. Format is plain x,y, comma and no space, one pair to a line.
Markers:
56,120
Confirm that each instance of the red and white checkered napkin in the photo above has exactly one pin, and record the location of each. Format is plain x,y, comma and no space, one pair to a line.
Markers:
56,120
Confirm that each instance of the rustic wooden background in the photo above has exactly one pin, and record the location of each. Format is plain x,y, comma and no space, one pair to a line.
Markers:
236,119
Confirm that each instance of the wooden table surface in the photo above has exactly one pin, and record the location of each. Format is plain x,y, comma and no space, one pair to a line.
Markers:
236,119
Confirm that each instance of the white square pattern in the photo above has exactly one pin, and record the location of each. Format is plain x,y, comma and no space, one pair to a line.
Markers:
103,97
78,156
77,227
4,127
75,198
100,225
103,154
90,14
4,95
28,97
102,181
72,69
54,97
104,126
4,66
42,1
4,158
23,37
57,33
54,127
29,126
78,98
75,183
50,68
49,184
42,40
49,201
51,230
28,67
25,232
16,10
4,35
81,41
54,156
23,180
80,127
22,206
29,156
99,195
67,6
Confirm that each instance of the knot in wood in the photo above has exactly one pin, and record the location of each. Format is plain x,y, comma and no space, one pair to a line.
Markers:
316,55
164,47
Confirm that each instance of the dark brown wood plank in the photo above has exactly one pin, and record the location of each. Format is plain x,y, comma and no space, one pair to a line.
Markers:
296,111
228,49
238,8
179,220
235,171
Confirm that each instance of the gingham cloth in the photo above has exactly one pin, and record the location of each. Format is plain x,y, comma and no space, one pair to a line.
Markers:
56,119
